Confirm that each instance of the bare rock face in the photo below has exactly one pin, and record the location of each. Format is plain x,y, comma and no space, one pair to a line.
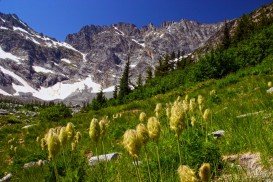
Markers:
107,47
36,65
32,60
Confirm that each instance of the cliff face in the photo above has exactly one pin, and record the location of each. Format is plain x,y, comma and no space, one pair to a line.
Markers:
35,65
107,47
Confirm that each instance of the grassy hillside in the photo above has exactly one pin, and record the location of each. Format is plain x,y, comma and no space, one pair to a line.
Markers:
237,94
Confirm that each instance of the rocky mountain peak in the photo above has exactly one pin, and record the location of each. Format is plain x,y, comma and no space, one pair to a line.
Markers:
36,65
12,20
127,28
86,33
166,24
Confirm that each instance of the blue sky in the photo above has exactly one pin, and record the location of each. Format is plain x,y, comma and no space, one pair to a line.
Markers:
57,18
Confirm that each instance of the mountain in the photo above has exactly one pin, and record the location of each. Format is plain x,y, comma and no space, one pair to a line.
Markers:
36,65
108,47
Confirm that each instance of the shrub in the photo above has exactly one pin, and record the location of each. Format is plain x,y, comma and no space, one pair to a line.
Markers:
196,150
55,113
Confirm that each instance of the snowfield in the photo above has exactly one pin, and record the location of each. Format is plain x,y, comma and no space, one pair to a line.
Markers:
41,69
60,90
66,60
20,29
6,55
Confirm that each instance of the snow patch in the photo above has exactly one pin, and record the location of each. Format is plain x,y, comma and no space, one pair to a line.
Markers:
41,69
20,29
66,61
175,60
118,31
187,55
3,20
64,44
109,89
23,23
62,90
143,44
51,43
4,28
25,88
133,65
33,40
84,57
6,55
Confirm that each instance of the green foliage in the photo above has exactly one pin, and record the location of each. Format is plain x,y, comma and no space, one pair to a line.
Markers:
253,133
244,28
115,93
139,81
226,38
100,97
55,113
183,63
149,73
165,65
99,102
124,88
247,53
11,119
71,166
196,150
247,65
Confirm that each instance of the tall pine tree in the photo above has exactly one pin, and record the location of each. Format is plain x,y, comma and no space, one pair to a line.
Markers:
226,38
159,68
139,81
167,64
149,73
115,93
178,54
100,97
244,28
173,55
99,102
124,88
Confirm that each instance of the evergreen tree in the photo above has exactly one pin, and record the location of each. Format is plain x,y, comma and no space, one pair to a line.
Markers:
226,38
178,54
167,64
124,88
149,73
244,28
159,68
139,81
264,20
99,101
100,97
115,93
184,62
173,56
